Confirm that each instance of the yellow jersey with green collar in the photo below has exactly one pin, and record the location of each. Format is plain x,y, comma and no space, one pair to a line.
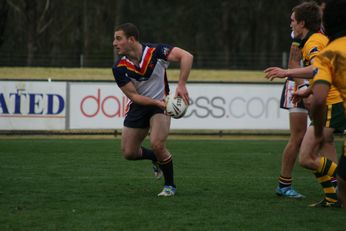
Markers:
330,67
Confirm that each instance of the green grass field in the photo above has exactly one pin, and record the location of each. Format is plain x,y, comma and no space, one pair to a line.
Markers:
71,184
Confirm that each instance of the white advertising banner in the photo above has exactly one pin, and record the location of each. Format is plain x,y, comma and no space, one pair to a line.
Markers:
31,105
213,106
96,106
233,106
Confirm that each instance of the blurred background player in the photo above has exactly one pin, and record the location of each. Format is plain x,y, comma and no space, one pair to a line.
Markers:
307,42
315,42
331,69
297,125
140,73
322,159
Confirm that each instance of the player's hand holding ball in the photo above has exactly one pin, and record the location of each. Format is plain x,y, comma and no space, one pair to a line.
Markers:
175,106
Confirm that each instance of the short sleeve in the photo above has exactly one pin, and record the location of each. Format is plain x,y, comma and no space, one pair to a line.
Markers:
120,76
322,69
163,51
313,47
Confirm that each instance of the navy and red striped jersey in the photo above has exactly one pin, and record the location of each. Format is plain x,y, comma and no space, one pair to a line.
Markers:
149,78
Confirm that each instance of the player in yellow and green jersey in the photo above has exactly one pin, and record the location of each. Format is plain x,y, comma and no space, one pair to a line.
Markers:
313,41
330,68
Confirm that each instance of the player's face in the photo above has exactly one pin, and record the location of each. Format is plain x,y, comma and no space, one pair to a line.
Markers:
297,27
121,43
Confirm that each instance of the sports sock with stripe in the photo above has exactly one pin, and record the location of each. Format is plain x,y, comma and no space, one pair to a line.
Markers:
325,175
148,154
327,167
327,186
285,181
167,170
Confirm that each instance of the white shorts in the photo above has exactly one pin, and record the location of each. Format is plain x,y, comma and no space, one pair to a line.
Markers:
297,110
286,96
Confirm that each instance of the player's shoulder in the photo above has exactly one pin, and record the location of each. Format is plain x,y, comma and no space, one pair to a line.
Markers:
318,37
161,50
315,44
119,62
151,45
159,47
336,47
338,44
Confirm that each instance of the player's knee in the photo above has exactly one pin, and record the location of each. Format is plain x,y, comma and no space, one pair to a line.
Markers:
305,161
158,147
128,153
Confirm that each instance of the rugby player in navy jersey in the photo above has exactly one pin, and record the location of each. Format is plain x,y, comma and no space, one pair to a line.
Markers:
140,73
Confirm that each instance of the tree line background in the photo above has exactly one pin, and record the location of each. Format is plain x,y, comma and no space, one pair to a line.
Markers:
235,34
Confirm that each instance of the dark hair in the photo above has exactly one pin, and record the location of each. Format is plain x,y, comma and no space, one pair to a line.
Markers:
129,29
334,19
320,2
310,13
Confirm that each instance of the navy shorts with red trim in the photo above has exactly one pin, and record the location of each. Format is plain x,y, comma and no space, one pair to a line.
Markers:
139,116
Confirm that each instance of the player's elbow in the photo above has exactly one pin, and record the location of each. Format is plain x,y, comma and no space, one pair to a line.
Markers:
129,153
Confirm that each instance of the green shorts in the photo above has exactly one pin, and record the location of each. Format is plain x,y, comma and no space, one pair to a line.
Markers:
335,117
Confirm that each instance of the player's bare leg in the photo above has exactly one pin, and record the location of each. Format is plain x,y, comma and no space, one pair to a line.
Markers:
341,177
131,141
341,191
322,167
298,123
308,155
160,125
328,150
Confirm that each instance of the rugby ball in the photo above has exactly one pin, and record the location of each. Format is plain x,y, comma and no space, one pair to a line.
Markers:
175,107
